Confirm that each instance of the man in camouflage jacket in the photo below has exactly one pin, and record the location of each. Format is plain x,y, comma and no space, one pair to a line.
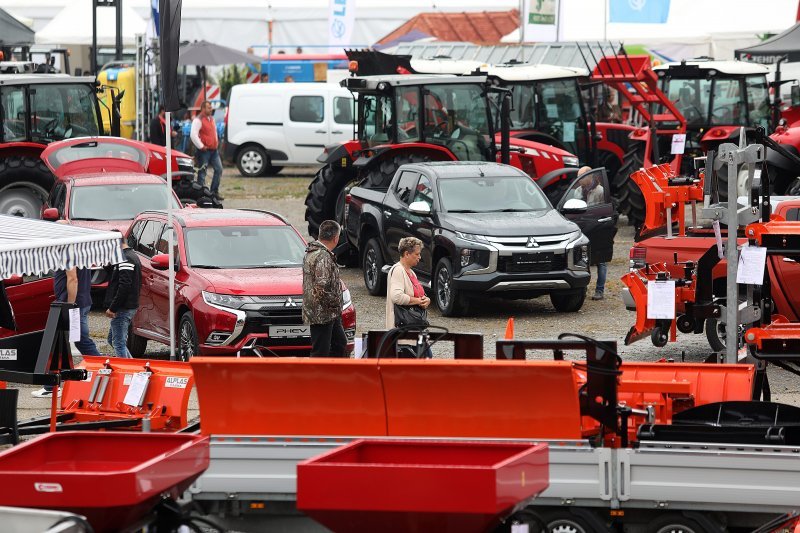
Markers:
322,294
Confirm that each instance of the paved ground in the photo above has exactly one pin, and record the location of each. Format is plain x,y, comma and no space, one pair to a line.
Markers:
605,319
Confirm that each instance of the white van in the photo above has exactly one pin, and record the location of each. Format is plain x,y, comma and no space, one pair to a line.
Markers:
272,125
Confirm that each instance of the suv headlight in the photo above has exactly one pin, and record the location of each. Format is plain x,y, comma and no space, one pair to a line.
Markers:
570,161
225,300
347,300
472,237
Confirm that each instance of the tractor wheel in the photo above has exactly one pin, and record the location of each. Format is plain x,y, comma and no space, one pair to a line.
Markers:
381,175
612,164
190,192
631,199
25,183
324,193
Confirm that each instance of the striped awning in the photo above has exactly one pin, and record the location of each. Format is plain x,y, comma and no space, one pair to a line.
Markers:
31,247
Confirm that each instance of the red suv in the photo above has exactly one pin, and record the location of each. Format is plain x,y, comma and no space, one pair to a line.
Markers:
239,284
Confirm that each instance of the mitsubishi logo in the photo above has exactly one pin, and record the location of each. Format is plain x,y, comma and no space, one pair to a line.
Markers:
531,243
289,302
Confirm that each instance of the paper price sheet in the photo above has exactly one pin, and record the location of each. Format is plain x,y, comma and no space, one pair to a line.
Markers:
752,260
661,299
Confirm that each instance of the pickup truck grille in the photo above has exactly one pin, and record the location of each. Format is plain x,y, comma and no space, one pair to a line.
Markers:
533,262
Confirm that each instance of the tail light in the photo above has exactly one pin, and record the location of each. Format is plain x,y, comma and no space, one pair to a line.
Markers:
638,257
353,67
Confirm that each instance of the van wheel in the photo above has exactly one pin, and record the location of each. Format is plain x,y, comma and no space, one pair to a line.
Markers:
252,161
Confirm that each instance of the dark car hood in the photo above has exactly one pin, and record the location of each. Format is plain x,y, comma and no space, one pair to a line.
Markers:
532,223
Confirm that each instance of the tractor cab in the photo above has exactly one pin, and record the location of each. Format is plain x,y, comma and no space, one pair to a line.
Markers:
447,113
717,98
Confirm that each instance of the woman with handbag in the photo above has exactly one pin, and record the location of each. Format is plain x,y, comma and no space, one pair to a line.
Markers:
404,292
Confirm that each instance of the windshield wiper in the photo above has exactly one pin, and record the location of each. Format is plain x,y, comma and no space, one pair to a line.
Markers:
206,266
90,219
511,210
463,211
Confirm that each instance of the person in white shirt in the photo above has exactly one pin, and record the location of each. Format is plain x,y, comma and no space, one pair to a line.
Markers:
204,138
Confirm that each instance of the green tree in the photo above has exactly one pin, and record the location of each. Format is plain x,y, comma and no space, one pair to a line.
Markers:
230,76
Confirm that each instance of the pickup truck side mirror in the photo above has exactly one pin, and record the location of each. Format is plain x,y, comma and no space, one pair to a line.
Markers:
419,208
574,206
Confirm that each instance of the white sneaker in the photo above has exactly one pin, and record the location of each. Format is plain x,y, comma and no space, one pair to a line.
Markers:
44,393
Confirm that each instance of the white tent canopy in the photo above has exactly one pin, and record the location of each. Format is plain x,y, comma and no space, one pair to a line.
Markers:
31,247
73,25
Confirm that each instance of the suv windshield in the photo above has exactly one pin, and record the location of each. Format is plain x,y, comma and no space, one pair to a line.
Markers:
487,195
244,247
61,111
118,201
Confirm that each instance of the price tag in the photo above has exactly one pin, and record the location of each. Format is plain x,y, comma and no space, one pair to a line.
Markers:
74,325
678,143
661,299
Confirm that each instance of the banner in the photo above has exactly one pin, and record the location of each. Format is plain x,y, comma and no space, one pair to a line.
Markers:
169,41
638,11
341,19
540,20
154,16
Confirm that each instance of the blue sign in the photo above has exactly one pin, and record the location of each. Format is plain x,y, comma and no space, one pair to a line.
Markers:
639,11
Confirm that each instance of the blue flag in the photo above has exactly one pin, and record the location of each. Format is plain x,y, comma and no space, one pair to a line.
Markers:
639,11
154,12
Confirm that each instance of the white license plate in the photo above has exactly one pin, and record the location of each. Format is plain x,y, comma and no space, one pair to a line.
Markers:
290,331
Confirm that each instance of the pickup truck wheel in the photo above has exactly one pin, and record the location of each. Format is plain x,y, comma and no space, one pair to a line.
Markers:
323,196
568,301
631,199
374,279
448,299
716,334
187,337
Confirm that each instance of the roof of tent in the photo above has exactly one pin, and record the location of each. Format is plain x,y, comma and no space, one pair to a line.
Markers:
12,31
73,26
32,247
783,44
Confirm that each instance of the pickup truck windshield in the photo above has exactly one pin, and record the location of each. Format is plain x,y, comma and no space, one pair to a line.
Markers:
118,202
487,195
244,247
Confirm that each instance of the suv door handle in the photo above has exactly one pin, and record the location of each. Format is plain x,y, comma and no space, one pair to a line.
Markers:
321,131
605,219
337,131
387,213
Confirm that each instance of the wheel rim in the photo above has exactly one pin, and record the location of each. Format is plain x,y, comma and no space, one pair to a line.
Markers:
721,330
371,268
20,203
565,526
252,162
443,290
675,528
187,350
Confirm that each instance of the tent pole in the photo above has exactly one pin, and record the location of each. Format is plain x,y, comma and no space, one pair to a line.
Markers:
171,235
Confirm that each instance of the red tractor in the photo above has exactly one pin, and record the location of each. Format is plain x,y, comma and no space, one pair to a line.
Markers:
37,109
411,118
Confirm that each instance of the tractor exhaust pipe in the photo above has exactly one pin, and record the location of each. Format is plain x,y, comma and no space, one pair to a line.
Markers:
505,128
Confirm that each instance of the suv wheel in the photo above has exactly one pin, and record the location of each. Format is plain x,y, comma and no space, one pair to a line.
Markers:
374,279
187,337
136,345
252,161
449,300
568,301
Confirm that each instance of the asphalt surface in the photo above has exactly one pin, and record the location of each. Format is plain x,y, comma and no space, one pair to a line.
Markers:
533,319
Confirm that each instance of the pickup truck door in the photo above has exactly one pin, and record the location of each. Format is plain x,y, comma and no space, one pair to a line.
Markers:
395,211
599,221
422,226
785,271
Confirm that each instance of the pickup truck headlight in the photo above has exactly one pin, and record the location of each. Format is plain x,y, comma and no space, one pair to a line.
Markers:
347,300
580,255
226,300
570,161
472,237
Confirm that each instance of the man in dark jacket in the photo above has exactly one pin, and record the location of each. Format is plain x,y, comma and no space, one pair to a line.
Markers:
122,299
159,128
322,294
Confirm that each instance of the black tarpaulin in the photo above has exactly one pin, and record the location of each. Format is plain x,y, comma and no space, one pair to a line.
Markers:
170,38
768,52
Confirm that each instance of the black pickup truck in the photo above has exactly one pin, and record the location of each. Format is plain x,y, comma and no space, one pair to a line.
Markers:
488,229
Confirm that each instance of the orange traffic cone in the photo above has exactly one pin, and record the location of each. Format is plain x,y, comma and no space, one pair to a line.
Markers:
510,329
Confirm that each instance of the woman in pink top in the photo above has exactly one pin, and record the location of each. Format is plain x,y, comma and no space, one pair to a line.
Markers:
403,286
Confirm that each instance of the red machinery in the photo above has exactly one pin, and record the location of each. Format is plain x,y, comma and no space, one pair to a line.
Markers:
400,485
114,479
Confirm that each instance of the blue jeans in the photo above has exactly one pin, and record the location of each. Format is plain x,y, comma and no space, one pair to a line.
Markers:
86,345
118,332
602,270
206,158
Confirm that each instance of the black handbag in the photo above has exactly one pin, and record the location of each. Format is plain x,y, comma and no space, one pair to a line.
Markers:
410,316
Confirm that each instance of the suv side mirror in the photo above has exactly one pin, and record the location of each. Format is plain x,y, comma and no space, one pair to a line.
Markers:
574,205
13,281
419,208
160,261
51,213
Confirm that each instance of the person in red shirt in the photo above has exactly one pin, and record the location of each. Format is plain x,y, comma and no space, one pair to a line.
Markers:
204,138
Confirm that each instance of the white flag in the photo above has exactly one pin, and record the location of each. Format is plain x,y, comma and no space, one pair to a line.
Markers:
341,19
